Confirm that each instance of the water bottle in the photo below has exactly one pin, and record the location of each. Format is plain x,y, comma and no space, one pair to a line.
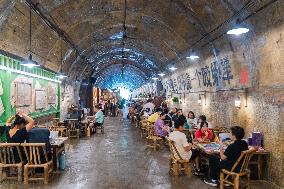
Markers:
62,161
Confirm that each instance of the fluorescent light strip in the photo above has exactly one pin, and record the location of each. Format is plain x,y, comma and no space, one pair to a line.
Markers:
28,74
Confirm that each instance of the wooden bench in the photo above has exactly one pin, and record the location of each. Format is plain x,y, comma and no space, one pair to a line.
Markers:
37,158
8,159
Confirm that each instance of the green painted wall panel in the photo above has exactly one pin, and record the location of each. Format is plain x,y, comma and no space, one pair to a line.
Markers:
7,77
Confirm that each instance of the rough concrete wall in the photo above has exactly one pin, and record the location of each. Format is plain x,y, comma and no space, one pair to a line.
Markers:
69,95
261,54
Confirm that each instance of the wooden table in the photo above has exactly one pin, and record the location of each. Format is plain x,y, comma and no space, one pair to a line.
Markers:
259,157
189,131
57,147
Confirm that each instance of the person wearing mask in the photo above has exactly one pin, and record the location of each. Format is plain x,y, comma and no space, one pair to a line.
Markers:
154,117
228,157
191,120
161,129
17,131
204,134
184,148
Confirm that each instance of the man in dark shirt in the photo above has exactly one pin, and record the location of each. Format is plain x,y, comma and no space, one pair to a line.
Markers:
228,158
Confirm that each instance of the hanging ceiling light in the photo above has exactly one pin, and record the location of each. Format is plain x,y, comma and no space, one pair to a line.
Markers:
155,78
172,68
60,75
238,30
30,62
192,57
161,74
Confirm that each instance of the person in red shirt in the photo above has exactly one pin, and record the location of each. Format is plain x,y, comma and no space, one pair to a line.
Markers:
204,134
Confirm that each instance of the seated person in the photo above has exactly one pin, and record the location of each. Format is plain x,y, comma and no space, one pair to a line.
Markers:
97,119
183,147
154,117
161,129
228,158
144,114
204,134
191,120
17,131
168,119
41,135
202,118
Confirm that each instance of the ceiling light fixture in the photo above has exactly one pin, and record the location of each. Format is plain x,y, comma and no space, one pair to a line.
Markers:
30,63
155,78
60,75
173,68
238,30
192,57
161,74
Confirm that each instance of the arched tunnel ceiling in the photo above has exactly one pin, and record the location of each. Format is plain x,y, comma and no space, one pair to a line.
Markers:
159,32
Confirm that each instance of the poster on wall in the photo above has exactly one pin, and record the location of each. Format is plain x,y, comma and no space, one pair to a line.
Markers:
40,99
51,91
23,94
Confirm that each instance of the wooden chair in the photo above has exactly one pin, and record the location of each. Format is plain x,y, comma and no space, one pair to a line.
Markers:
72,130
232,177
143,126
37,158
8,153
152,138
100,129
62,131
176,162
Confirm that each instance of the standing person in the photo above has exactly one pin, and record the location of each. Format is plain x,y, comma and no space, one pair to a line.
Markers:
149,106
120,106
228,157
106,108
17,131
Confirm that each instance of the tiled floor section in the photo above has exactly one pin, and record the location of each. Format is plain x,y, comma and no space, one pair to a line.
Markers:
116,160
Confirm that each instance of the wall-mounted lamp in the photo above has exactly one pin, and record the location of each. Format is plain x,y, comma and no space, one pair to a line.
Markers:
238,102
200,100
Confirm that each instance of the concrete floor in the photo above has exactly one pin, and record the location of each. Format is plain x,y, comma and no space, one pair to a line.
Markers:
116,160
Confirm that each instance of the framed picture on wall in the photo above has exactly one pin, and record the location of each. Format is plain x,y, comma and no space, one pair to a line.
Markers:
23,94
40,99
51,94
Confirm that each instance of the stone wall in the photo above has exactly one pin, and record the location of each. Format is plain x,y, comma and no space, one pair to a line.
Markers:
69,95
256,60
